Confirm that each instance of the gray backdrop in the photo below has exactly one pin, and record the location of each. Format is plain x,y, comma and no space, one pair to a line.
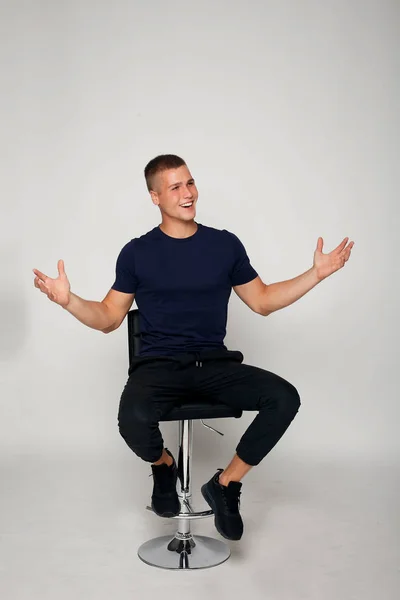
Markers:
287,115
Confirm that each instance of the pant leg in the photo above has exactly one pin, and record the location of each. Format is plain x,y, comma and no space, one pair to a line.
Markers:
251,388
153,388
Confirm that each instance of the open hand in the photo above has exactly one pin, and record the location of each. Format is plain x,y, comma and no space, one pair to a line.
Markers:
57,290
326,264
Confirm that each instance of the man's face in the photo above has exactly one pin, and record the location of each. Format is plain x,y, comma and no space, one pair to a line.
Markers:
172,189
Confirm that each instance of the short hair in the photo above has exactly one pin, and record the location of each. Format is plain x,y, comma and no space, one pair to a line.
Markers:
160,163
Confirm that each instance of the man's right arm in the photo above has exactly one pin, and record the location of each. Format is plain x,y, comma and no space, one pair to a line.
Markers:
105,316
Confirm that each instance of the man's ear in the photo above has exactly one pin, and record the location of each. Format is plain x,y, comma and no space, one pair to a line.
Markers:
154,197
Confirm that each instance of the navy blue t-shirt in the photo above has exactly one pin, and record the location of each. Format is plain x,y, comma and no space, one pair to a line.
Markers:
182,287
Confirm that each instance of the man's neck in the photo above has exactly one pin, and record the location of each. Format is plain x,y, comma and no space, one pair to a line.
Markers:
179,230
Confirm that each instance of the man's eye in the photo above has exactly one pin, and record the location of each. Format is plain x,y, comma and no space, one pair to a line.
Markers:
175,188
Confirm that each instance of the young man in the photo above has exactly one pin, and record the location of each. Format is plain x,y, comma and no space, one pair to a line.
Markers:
181,274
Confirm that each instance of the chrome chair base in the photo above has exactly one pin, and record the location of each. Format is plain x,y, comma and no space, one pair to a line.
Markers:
185,550
192,552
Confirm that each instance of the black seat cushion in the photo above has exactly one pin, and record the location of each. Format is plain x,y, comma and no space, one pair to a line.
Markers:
201,410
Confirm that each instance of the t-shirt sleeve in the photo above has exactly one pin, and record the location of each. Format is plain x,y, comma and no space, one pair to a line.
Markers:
242,271
125,276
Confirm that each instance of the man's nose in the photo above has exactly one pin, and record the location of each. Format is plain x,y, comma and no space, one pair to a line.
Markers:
187,193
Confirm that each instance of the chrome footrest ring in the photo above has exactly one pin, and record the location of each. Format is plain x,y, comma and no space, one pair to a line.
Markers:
189,516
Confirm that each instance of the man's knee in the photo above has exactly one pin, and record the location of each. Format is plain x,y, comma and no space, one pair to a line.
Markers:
137,425
285,400
290,401
135,419
138,435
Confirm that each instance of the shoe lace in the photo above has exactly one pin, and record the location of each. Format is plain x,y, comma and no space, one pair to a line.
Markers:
231,499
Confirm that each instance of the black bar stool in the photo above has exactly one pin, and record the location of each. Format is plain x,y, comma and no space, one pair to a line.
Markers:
183,550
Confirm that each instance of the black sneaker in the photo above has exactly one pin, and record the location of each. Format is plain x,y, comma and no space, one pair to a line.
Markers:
225,502
164,500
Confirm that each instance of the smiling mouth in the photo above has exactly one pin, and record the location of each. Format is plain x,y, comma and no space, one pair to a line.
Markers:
186,205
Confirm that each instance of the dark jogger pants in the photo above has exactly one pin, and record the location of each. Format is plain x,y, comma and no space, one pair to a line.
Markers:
157,383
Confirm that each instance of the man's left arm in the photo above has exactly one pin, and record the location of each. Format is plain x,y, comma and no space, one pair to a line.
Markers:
265,299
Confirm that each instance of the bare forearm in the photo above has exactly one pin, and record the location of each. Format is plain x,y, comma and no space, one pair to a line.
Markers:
89,312
281,294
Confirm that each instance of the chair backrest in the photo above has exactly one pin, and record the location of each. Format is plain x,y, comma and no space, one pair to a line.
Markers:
133,334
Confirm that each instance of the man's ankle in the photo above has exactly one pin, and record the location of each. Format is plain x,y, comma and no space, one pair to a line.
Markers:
223,479
169,461
165,459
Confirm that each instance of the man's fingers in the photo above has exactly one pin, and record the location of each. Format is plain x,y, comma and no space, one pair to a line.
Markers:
339,249
341,245
348,250
39,284
39,274
60,266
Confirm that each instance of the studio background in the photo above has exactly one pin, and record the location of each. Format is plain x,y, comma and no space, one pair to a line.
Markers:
287,116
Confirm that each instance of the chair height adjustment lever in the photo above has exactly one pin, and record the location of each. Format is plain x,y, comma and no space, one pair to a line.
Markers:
212,428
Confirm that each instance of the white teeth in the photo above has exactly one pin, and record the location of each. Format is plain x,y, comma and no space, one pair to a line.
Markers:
187,204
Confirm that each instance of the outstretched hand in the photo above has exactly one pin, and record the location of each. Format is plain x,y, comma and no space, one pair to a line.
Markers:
57,290
326,264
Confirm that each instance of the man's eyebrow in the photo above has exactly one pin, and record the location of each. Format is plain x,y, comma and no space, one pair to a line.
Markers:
180,183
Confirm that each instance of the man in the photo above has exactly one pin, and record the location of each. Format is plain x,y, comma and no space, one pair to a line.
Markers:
181,274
